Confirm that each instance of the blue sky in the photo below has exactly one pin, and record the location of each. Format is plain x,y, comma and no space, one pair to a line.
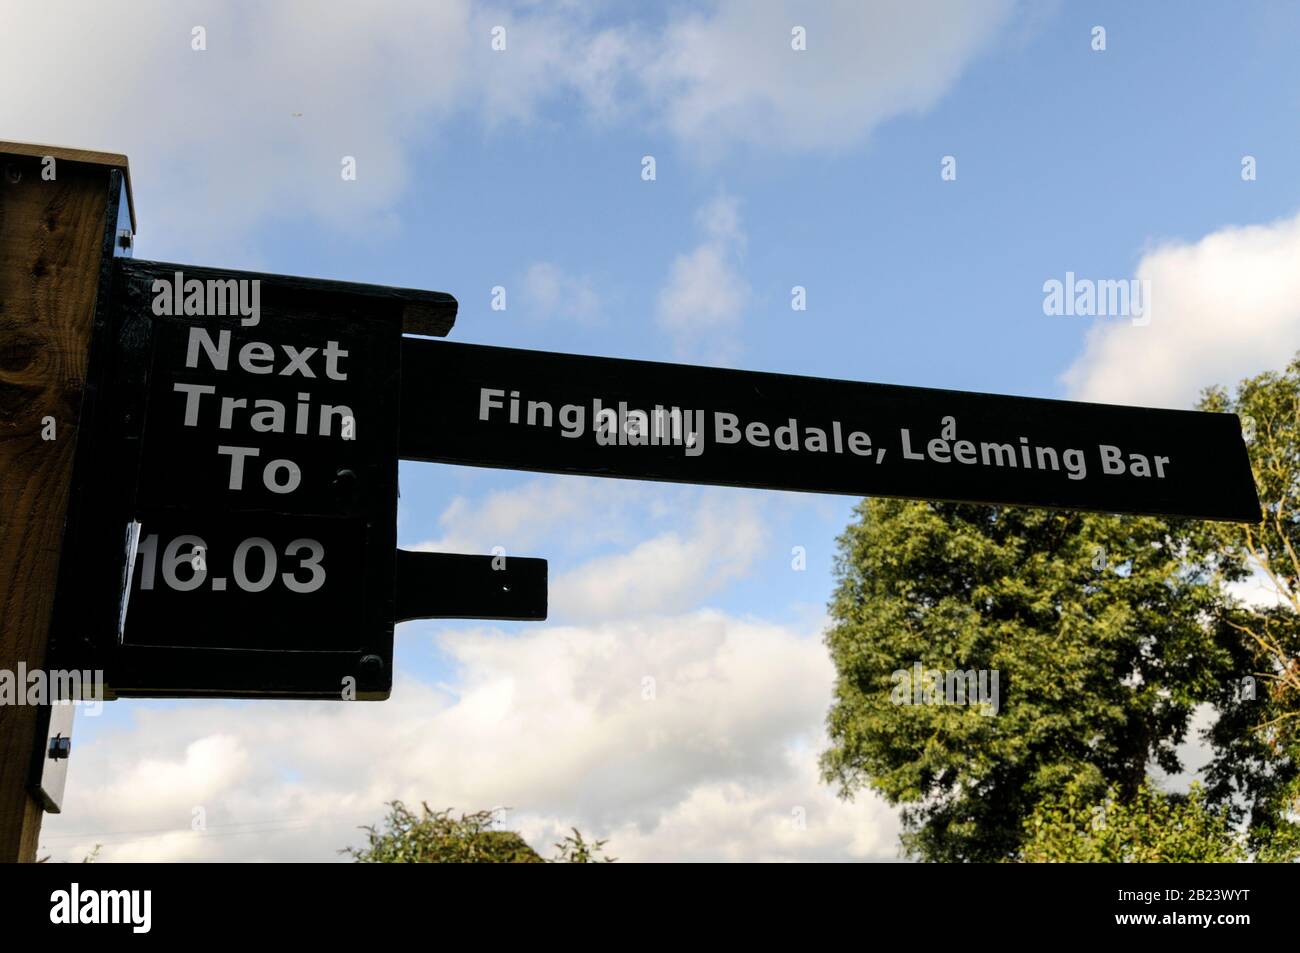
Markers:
774,168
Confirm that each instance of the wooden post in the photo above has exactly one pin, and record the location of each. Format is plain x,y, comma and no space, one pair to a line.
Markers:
55,236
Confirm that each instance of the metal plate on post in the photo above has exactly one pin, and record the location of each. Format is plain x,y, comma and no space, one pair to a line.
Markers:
52,774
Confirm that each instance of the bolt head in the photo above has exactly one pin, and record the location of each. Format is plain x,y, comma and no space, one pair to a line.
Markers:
60,748
345,485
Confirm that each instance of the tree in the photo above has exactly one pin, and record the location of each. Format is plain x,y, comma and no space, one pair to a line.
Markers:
575,849
1094,624
437,837
1086,825
1257,736
90,858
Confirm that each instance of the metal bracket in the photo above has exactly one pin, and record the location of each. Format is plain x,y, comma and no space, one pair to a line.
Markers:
50,760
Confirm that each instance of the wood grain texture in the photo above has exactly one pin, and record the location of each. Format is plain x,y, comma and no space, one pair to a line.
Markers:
85,156
51,240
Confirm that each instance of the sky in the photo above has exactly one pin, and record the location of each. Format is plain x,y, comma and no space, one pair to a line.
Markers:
922,170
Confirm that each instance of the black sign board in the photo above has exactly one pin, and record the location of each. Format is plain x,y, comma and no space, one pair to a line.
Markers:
249,468
241,540
266,501
564,413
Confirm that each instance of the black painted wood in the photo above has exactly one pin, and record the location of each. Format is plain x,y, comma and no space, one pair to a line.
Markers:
235,626
229,634
1202,456
452,586
431,313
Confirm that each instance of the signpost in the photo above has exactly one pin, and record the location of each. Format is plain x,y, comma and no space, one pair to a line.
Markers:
223,505
238,538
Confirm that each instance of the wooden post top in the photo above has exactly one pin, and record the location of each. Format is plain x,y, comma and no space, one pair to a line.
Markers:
67,154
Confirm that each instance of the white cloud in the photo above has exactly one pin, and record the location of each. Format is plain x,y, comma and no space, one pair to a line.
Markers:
551,292
729,78
588,510
550,51
254,128
787,820
554,723
212,134
1222,308
700,541
701,304
669,572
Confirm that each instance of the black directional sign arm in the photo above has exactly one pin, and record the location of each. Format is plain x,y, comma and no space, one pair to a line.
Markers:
565,413
453,586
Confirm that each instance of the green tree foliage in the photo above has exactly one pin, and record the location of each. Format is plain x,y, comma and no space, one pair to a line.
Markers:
1257,737
1106,632
90,858
439,837
1095,624
1085,825
575,849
